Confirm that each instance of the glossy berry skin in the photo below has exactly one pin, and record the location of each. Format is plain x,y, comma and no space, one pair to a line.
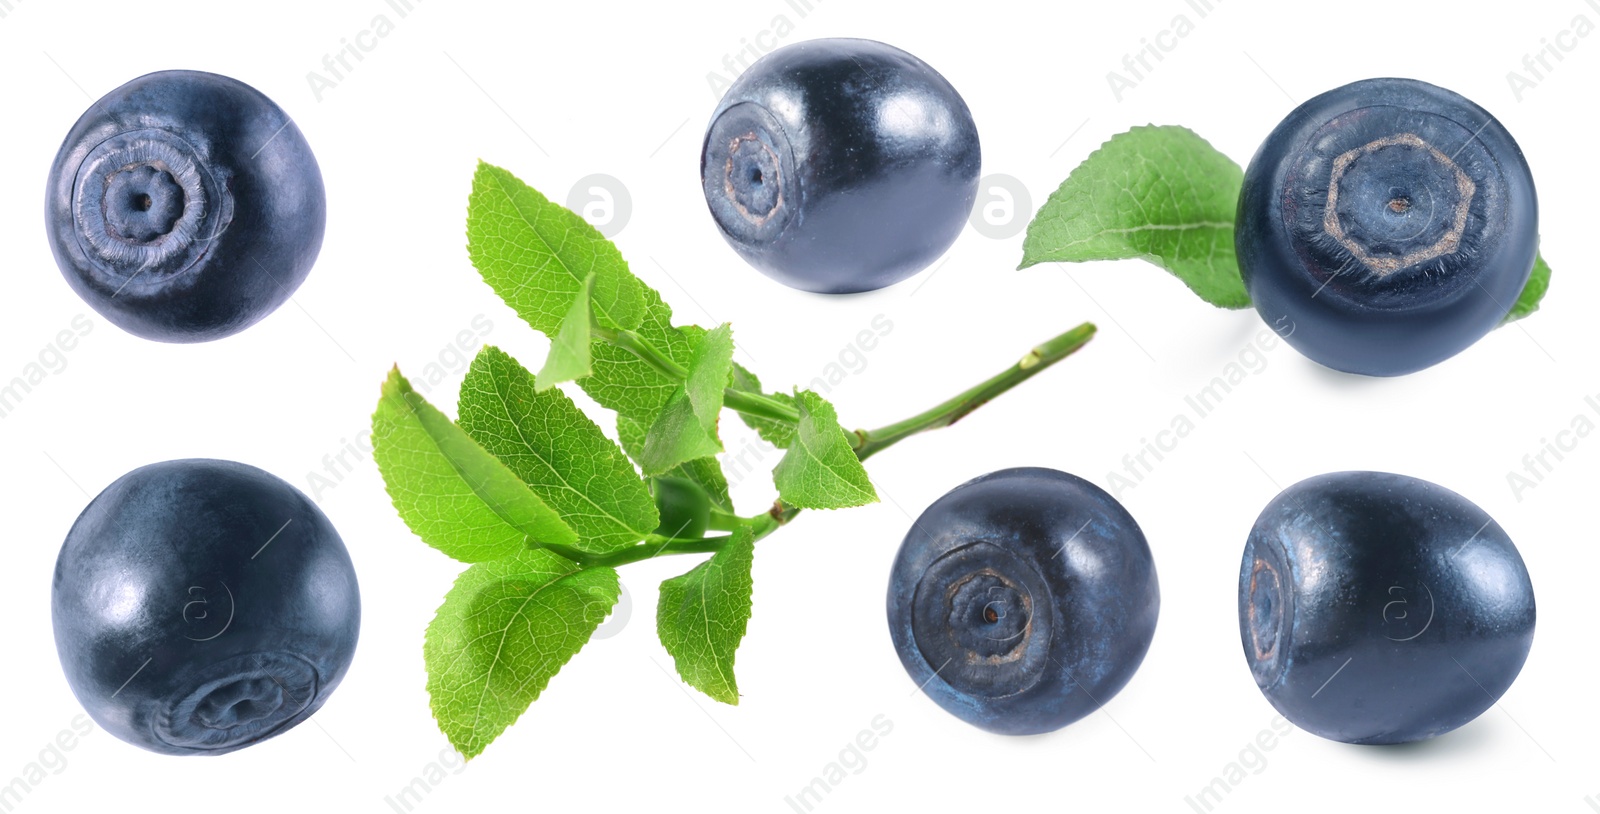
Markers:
1023,600
202,606
840,165
185,206
1377,608
684,507
1387,225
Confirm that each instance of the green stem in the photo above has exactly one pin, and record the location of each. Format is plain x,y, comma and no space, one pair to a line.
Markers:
650,550
636,345
725,521
758,405
775,518
872,442
762,525
867,443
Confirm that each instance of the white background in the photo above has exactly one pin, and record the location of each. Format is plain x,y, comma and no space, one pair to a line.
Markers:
556,92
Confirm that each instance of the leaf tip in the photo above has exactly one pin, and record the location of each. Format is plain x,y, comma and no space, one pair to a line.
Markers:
395,384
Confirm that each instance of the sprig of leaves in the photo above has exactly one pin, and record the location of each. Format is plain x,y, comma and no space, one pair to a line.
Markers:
1164,195
531,493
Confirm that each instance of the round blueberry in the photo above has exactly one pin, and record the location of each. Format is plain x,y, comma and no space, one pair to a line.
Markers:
185,206
1377,608
684,507
840,165
202,606
1386,225
1023,600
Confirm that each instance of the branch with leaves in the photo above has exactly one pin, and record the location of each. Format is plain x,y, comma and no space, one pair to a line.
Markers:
545,507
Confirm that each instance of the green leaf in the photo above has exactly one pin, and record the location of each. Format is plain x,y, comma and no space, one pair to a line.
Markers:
708,475
704,472
676,437
679,343
627,385
777,433
449,490
1532,293
569,358
703,614
710,369
536,255
1160,194
504,630
821,470
686,429
554,448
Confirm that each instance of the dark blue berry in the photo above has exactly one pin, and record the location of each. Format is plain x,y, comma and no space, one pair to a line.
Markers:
840,165
202,606
1390,222
185,206
1377,608
1023,600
